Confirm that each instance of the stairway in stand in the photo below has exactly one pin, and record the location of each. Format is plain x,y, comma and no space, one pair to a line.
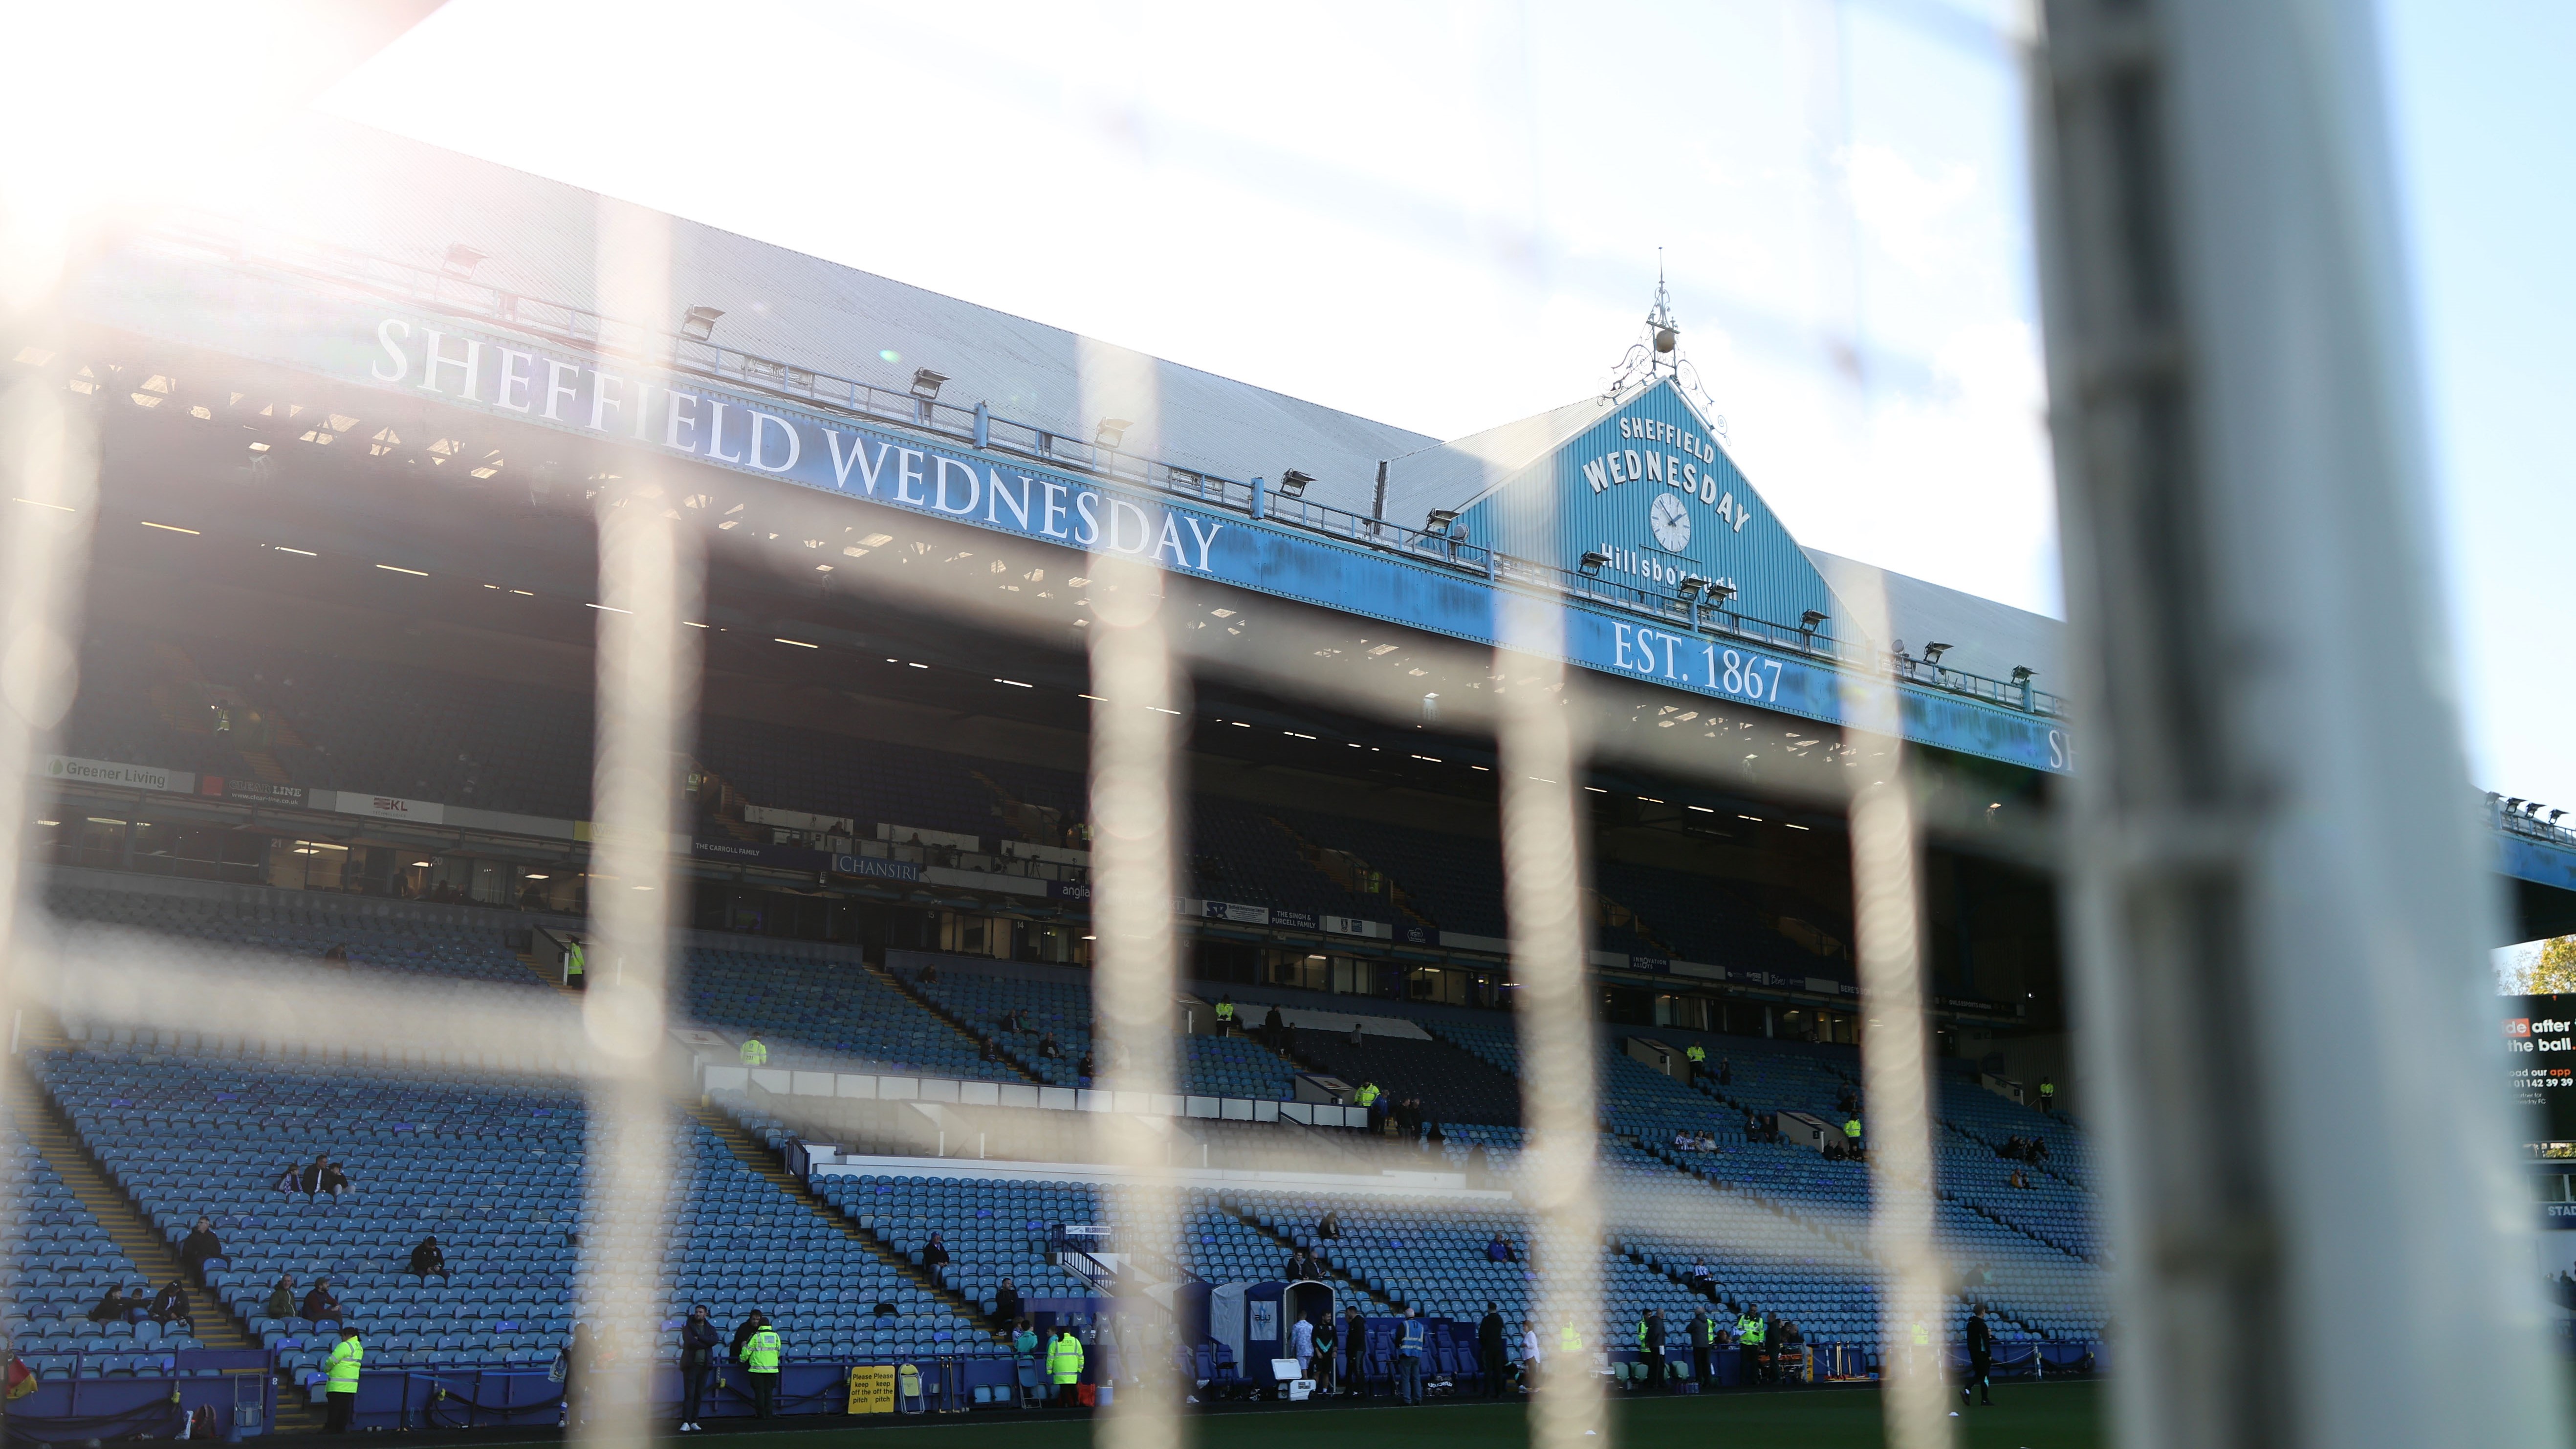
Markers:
755,1155
51,1134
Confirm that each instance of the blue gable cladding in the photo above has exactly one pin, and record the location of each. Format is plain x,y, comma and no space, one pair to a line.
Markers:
1651,489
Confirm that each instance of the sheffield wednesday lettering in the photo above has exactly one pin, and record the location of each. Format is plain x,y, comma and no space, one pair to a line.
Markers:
1654,465
700,424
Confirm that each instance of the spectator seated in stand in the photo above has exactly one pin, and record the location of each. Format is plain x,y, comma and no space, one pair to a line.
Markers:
934,1254
319,1305
281,1298
324,1176
170,1306
113,1307
428,1259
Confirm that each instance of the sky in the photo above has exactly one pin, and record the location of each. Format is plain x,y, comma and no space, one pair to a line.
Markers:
1448,216
1445,217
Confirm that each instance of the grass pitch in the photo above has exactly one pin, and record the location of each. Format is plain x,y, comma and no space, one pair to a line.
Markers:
2039,1416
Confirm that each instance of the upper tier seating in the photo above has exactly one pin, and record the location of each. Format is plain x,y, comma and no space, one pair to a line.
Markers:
985,998
289,923
1451,1085
829,1015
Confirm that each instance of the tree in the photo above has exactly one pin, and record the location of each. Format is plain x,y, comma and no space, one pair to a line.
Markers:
2556,968
2552,970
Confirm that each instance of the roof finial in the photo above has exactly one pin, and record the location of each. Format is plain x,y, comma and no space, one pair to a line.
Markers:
1659,354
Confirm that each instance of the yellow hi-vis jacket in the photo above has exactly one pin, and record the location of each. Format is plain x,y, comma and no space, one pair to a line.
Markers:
346,1356
760,1351
1568,1340
753,1053
1064,1358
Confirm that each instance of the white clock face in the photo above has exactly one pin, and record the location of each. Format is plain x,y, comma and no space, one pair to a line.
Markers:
1670,521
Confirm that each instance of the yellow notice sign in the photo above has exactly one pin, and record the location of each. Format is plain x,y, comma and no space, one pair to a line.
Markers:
872,1389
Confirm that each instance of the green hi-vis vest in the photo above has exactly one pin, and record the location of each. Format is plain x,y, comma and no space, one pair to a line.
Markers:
346,1356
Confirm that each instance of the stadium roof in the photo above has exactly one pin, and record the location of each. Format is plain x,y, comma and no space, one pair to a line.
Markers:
407,201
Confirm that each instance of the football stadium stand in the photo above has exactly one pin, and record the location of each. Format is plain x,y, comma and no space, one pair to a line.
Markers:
830,1239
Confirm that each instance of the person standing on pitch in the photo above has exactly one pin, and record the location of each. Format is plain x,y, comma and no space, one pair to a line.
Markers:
1408,1358
1981,1360
1489,1351
341,1380
1703,1337
1064,1365
698,1340
1650,1342
760,1365
1751,1333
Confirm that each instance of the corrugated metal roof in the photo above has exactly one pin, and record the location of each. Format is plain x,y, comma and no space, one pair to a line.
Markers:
1985,637
381,195
1453,474
403,200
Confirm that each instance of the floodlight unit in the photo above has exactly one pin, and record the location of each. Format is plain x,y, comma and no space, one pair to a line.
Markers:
1690,587
1593,559
699,323
1438,521
2276,920
1714,596
1110,432
925,391
1292,484
460,262
1932,654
